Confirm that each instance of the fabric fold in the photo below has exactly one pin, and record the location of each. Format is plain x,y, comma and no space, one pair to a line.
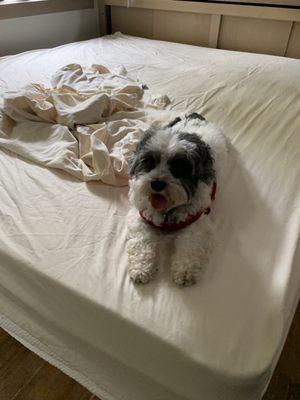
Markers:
86,124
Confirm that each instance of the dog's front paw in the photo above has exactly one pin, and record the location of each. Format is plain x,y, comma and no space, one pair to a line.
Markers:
140,276
184,278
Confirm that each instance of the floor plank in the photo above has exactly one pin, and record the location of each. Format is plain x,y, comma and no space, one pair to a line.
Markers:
290,359
9,349
18,366
3,335
278,388
285,383
50,384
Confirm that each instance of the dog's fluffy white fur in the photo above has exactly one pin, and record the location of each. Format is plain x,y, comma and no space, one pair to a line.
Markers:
171,178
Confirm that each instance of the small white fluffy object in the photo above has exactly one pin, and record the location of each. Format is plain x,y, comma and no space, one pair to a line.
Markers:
174,174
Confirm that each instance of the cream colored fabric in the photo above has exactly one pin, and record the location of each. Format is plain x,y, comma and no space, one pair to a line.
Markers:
85,124
63,277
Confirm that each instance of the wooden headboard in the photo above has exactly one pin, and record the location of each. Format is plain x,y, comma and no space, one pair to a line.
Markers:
271,28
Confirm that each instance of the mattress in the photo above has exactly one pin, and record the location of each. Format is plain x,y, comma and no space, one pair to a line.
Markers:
64,290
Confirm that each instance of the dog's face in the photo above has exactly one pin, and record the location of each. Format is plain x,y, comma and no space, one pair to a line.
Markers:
168,165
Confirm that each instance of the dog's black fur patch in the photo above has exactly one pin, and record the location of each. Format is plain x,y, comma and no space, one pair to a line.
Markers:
195,116
190,116
174,122
142,161
202,158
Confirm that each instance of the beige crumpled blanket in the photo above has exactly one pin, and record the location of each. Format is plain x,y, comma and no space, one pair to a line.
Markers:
87,123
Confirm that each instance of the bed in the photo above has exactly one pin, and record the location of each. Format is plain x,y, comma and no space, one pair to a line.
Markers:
64,291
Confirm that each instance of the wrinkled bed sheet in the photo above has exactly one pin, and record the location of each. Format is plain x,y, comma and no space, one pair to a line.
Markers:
86,123
64,290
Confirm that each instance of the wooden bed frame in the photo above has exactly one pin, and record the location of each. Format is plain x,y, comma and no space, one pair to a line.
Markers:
271,28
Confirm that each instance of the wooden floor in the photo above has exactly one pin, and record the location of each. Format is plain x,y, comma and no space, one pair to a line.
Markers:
25,376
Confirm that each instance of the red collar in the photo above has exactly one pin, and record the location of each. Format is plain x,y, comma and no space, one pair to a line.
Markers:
172,227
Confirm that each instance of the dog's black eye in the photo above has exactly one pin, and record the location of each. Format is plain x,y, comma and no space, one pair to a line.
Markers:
180,167
149,163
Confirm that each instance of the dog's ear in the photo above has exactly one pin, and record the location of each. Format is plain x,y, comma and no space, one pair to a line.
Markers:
174,122
195,116
204,162
201,155
137,155
131,166
149,133
133,162
189,116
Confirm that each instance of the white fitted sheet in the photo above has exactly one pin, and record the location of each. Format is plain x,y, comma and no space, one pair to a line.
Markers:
64,289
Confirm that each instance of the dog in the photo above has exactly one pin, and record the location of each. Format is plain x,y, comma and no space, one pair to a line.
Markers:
174,176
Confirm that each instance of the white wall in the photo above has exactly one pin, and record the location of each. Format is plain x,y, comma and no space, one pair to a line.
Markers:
47,30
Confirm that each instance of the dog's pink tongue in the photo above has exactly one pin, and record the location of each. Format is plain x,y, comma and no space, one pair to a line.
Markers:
158,201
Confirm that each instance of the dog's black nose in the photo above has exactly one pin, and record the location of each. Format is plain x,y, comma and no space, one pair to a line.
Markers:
158,186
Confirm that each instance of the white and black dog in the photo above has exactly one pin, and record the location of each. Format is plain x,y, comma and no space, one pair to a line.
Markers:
174,174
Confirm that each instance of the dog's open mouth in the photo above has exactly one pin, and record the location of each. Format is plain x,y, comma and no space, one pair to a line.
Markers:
158,201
